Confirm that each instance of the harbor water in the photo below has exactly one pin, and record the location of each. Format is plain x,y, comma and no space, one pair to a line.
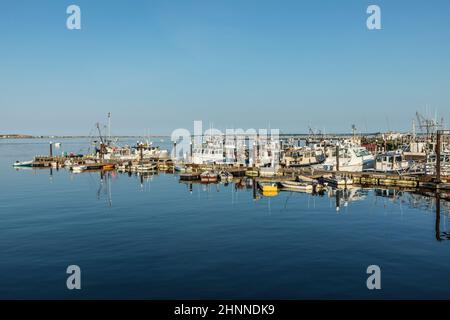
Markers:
156,238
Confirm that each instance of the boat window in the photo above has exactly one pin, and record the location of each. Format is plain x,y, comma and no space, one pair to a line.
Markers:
362,152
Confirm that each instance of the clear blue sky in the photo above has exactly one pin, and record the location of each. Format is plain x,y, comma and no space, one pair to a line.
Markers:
159,65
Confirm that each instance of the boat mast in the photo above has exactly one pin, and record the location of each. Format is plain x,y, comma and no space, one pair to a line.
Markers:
109,126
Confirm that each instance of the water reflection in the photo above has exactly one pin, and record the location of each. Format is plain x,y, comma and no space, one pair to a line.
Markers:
426,200
440,235
104,189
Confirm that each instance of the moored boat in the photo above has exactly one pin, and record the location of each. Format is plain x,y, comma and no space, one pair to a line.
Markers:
23,164
301,186
191,176
144,167
338,180
78,168
225,176
268,187
209,176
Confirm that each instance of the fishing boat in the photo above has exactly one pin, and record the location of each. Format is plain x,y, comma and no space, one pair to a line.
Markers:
351,158
209,176
430,165
295,185
268,187
302,157
209,153
23,164
391,161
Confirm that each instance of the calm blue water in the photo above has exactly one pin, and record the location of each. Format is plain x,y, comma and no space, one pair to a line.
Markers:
158,240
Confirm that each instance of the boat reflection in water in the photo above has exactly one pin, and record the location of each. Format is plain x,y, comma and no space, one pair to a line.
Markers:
436,202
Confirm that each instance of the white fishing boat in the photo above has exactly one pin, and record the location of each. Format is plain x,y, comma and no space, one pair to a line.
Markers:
430,165
391,161
302,156
351,158
210,152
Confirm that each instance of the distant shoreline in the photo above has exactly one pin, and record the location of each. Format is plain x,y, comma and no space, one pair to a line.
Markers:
20,136
304,135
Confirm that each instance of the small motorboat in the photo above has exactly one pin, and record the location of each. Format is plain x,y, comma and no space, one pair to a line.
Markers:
78,168
268,187
225,176
23,164
295,185
209,176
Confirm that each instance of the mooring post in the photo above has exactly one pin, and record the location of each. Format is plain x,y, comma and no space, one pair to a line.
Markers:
438,157
51,149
